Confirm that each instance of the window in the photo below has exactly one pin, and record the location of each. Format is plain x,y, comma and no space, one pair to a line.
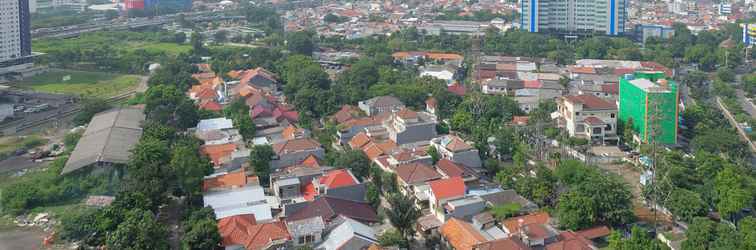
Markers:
310,238
611,115
577,113
608,127
301,240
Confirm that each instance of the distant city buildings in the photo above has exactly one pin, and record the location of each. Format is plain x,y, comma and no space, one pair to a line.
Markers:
749,34
650,100
572,16
15,35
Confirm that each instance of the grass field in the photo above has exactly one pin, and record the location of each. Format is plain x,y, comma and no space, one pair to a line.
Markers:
168,48
87,84
11,143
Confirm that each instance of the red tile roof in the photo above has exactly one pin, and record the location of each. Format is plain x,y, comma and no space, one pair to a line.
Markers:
593,121
456,144
311,161
216,153
229,180
359,140
520,120
570,241
595,232
406,113
346,113
582,70
415,173
295,145
448,188
457,89
513,224
210,105
451,169
461,235
512,243
591,102
338,178
244,230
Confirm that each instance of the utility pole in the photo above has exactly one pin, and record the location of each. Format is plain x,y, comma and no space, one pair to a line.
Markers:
654,133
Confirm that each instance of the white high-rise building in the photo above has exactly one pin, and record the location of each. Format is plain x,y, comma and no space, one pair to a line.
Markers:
574,16
15,35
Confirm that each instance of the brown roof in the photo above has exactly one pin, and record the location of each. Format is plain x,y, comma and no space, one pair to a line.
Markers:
228,180
570,241
513,224
359,140
217,153
520,120
461,235
612,88
593,121
244,230
512,243
595,232
329,208
591,102
346,113
452,169
414,173
295,145
406,113
457,144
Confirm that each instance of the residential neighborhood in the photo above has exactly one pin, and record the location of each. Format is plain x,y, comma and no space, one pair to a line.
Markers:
377,125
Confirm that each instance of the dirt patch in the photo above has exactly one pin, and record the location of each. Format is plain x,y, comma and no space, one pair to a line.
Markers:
22,238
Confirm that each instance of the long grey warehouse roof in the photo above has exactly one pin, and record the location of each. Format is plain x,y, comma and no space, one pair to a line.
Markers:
109,138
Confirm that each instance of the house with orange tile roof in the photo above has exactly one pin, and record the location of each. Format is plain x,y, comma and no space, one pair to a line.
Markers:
258,78
242,231
210,105
293,152
218,154
228,180
459,151
532,229
450,169
292,132
512,243
460,235
346,113
444,190
330,180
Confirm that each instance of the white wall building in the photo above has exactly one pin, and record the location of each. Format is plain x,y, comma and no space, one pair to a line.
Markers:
15,36
581,16
589,117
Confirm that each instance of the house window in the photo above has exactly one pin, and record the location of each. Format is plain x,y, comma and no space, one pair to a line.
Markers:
310,238
611,115
577,113
608,127
596,131
301,239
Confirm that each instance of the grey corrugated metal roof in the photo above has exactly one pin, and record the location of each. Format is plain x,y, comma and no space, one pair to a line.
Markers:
307,226
109,138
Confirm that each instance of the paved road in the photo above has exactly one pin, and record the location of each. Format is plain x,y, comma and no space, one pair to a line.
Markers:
746,104
17,163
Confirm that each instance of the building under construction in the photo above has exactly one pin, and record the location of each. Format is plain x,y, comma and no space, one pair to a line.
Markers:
650,100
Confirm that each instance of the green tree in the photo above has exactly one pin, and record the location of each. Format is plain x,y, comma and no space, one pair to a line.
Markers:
373,195
733,196
300,42
433,153
90,107
700,233
189,168
403,214
354,160
393,237
259,159
638,240
686,204
575,211
139,230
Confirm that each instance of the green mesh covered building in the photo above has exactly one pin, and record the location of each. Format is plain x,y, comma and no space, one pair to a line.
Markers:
646,97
